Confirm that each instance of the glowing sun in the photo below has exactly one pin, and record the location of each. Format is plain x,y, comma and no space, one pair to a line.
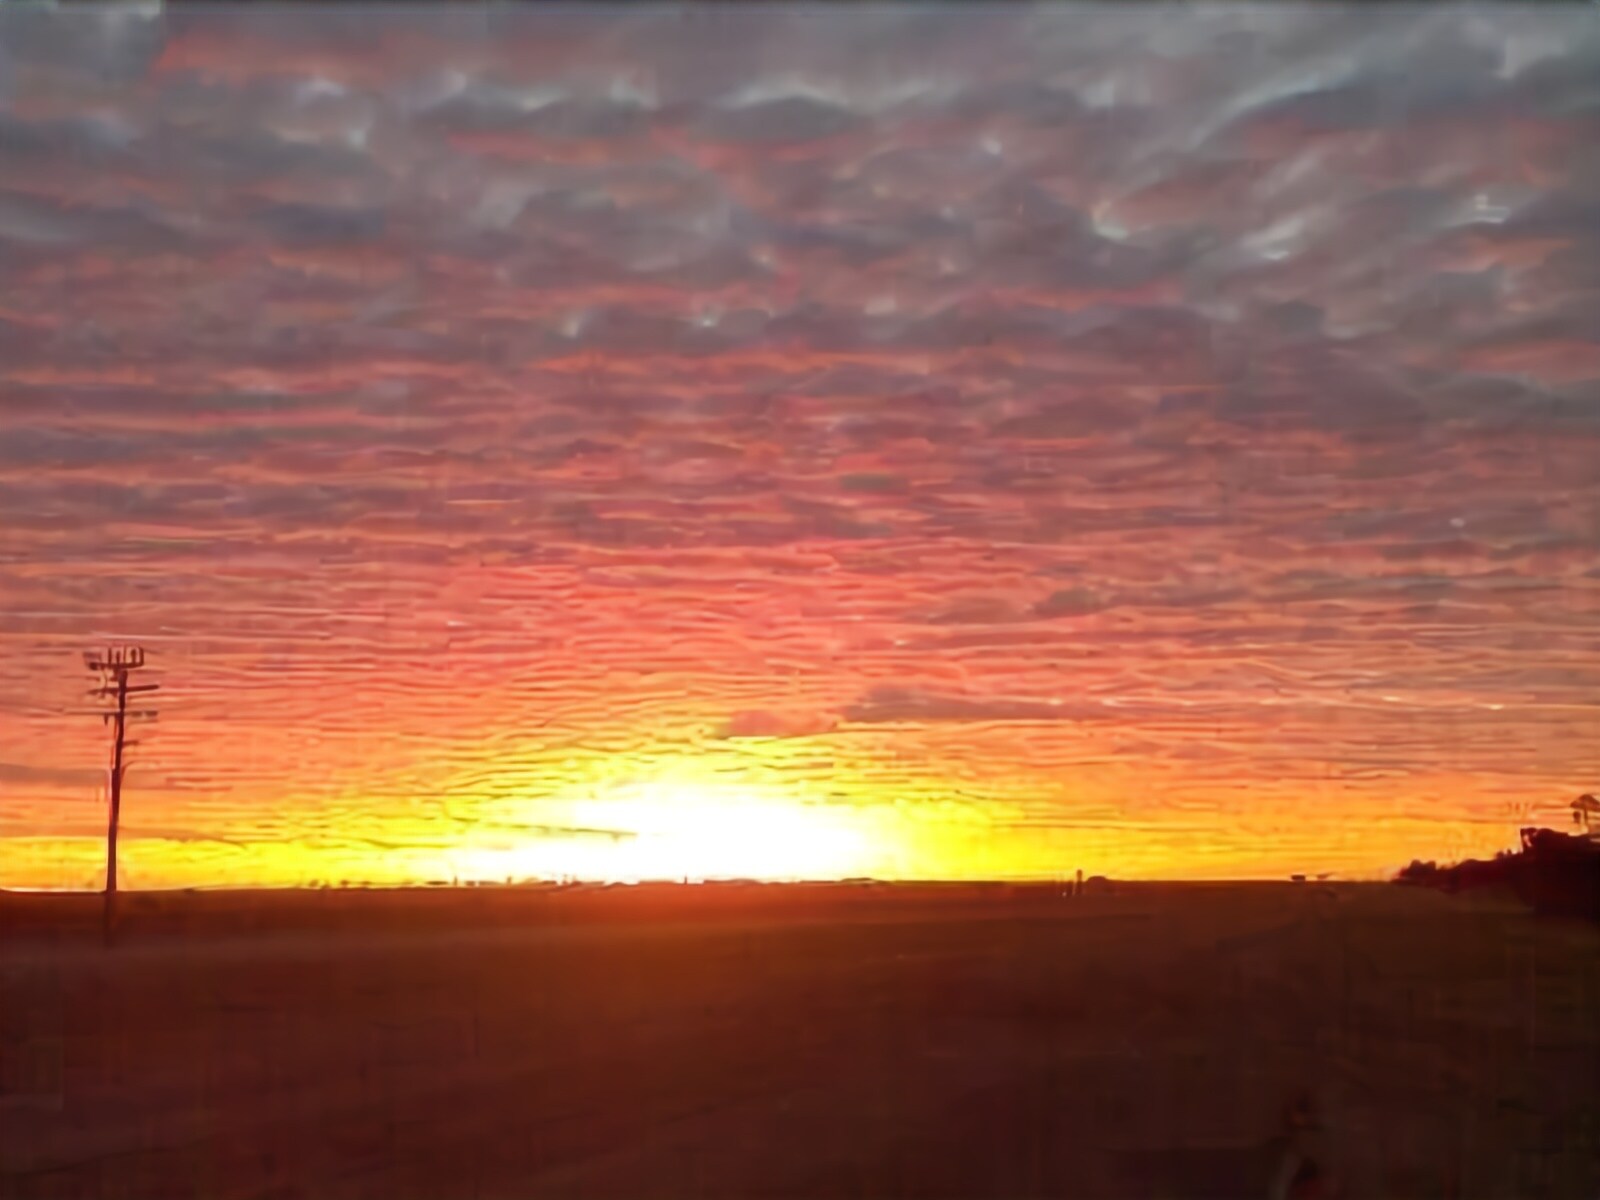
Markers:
700,831
679,823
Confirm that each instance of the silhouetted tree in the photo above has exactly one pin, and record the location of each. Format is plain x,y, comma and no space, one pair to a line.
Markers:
1419,872
1584,811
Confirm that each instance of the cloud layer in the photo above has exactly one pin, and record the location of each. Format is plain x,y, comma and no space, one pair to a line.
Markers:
455,401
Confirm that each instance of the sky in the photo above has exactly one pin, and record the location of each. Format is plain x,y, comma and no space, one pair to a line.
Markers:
784,442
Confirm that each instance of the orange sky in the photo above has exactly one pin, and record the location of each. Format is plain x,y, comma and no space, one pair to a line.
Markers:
891,442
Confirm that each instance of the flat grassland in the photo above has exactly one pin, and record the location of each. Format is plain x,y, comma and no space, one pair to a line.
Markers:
830,1041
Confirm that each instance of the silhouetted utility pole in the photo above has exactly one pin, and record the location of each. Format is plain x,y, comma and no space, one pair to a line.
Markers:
113,665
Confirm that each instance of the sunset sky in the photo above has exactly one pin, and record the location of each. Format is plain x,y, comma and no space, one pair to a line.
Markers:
799,442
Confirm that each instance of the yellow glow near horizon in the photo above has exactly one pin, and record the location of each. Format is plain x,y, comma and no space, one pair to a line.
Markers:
778,809
818,842
701,832
678,823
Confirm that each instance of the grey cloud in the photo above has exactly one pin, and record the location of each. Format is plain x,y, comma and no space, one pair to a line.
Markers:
1316,585
241,151
1193,596
23,775
788,119
88,140
1069,421
116,43
1457,548
894,704
321,225
1070,602
546,112
41,448
1348,396
46,224
1563,84
1437,84
1024,100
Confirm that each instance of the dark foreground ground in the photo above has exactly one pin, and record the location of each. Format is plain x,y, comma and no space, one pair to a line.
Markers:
795,1042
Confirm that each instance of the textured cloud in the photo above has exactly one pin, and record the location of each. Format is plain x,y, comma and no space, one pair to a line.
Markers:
759,723
24,774
447,396
890,703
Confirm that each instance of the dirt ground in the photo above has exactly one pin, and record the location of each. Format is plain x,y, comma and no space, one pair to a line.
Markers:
771,1042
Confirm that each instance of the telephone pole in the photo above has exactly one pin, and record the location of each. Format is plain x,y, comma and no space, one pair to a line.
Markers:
113,664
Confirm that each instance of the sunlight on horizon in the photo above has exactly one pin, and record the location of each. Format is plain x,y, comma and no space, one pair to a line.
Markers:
686,829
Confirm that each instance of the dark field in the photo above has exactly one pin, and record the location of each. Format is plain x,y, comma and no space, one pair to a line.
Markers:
794,1041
